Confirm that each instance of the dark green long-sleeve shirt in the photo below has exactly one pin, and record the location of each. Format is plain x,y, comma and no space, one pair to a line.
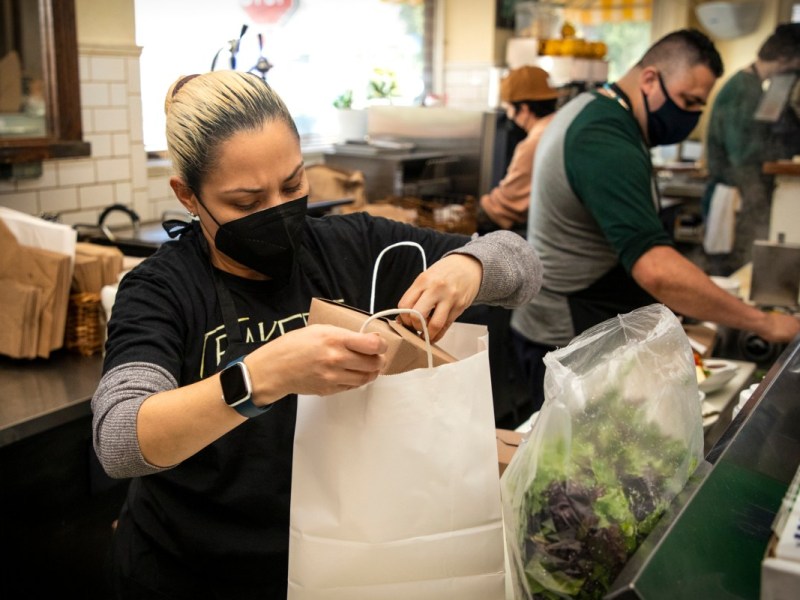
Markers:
737,145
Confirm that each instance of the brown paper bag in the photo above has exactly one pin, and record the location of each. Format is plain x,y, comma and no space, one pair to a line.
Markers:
88,274
406,351
20,307
329,183
111,259
507,443
50,272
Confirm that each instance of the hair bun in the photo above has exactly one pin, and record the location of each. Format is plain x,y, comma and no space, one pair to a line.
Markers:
175,88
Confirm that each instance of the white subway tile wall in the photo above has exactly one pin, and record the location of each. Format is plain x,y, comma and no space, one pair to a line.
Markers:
466,85
95,196
117,170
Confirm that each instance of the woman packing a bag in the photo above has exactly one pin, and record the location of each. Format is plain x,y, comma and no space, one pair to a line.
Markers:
207,437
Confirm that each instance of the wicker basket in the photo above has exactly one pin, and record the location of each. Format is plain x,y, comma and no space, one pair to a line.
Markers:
451,213
85,328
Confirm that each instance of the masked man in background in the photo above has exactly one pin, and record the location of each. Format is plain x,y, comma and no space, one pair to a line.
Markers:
594,210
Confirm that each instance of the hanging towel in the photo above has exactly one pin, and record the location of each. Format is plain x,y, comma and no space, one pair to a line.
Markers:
721,221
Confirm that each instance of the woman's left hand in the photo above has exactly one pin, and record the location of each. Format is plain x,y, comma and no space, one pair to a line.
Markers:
442,293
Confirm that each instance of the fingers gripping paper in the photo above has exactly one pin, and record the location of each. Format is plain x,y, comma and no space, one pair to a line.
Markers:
395,486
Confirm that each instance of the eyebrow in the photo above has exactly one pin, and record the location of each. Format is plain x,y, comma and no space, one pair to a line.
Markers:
291,176
294,173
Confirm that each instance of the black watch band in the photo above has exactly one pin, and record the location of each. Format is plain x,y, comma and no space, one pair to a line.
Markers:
237,389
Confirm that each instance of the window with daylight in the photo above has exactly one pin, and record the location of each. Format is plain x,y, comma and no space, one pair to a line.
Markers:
312,52
624,26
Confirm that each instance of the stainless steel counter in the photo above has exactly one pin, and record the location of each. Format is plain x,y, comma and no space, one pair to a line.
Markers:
39,395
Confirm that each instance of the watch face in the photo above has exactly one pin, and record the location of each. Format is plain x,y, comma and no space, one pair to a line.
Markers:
234,384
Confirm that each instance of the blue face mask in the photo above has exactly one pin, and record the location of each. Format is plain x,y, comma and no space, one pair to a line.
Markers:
669,124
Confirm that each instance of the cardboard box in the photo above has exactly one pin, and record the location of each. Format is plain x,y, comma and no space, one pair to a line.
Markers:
407,350
507,443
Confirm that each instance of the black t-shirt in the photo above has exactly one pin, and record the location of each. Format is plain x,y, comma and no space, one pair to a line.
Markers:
222,516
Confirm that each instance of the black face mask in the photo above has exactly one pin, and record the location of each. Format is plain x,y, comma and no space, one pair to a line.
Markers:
512,127
669,124
265,241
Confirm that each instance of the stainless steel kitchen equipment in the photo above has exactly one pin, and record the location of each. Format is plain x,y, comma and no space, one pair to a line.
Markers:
416,150
776,274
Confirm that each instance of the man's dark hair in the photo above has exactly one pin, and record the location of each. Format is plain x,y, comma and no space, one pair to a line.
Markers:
540,108
689,46
783,43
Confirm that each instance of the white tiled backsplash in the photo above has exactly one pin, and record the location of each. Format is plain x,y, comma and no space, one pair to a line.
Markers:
468,85
117,170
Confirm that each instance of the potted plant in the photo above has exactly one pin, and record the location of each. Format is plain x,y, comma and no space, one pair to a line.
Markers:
383,86
344,100
352,121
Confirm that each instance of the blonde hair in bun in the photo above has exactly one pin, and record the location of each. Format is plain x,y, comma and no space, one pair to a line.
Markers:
203,111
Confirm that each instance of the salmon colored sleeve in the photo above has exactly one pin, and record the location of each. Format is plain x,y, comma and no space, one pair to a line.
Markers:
507,204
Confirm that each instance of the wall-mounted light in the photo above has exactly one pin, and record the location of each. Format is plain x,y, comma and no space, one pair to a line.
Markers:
727,20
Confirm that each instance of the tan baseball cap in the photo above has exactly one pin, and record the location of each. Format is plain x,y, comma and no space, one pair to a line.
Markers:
527,83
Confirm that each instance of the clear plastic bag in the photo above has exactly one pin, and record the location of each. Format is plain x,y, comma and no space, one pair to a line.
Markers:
618,436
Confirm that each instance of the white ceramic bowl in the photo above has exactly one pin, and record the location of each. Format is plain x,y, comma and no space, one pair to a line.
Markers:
721,372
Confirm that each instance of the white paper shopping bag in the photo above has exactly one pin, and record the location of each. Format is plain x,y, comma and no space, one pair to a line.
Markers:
395,486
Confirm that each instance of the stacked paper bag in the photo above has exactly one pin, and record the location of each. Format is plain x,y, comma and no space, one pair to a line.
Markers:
34,291
99,266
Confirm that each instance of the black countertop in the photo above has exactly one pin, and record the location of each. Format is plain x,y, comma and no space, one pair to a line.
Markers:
41,394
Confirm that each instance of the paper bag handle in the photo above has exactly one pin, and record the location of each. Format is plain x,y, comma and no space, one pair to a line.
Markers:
378,262
399,311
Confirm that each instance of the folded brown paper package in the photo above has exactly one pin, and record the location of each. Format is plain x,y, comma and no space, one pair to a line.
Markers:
407,350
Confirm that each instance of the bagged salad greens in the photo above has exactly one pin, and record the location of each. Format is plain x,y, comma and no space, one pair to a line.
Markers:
619,434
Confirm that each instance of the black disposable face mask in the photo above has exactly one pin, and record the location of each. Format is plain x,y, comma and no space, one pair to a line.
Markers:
669,124
512,127
265,241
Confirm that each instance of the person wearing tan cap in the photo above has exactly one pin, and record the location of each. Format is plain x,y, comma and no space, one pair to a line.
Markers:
530,102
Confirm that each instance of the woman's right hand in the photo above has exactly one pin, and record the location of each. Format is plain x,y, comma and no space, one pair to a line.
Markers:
317,359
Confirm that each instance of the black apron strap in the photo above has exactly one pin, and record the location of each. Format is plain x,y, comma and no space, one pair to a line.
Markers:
229,318
614,293
311,269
